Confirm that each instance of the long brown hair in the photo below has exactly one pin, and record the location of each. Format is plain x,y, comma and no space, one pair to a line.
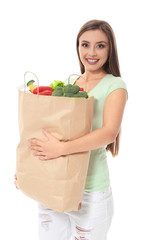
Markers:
111,66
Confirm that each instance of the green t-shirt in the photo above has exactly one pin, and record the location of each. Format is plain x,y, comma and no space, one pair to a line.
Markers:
98,173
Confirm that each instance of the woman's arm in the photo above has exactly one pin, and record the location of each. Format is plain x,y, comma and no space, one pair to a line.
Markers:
112,117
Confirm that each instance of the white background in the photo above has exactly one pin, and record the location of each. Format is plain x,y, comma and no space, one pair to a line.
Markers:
40,36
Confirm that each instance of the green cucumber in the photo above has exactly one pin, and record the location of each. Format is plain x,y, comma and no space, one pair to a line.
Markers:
30,83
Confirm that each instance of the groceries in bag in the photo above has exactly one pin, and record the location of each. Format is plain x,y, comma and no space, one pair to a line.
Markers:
58,183
58,89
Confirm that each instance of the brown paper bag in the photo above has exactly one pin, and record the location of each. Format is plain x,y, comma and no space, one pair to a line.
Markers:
59,183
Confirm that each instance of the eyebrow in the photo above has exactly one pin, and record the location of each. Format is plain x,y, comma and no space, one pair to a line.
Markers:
96,42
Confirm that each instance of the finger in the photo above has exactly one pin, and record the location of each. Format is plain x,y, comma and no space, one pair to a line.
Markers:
37,148
47,134
38,154
34,141
43,158
16,185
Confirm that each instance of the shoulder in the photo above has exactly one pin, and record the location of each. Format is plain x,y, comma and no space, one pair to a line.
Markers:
114,83
112,80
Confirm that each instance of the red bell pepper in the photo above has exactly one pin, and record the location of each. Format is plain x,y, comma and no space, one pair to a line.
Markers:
43,90
46,92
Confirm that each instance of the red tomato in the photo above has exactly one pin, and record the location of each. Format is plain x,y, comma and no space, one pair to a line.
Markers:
81,89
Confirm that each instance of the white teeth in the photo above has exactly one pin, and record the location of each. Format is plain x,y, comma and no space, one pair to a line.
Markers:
92,60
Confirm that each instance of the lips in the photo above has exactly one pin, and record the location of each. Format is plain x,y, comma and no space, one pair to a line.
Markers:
92,61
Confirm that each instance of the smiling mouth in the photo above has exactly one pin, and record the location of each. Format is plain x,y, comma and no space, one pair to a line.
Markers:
92,61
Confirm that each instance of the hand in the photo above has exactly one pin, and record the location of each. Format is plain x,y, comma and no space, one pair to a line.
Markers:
15,182
46,150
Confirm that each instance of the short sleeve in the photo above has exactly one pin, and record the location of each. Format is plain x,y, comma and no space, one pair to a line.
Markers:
117,83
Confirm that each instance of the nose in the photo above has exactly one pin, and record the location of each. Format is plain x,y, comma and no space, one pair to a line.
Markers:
92,52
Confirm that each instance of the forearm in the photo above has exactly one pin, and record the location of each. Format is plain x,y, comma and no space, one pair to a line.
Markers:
95,139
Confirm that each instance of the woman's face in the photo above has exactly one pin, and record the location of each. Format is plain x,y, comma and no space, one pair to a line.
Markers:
93,50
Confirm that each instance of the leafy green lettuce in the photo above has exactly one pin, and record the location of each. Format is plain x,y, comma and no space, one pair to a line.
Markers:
57,84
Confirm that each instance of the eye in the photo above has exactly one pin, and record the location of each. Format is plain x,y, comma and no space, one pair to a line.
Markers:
101,46
84,45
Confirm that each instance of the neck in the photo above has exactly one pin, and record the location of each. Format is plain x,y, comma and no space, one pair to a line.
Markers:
90,76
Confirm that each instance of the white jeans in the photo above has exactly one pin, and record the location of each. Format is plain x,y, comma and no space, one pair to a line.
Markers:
92,222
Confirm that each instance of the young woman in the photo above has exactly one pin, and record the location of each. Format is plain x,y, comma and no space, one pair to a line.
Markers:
98,58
